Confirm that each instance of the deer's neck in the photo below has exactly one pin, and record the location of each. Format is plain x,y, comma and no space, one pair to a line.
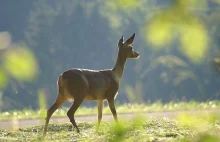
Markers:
119,66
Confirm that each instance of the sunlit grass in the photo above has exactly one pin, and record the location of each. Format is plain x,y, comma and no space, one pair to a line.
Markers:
137,129
126,108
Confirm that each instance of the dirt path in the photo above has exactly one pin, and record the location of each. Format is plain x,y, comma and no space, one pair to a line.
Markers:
15,124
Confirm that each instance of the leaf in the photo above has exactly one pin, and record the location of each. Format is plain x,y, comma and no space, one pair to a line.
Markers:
20,63
159,32
42,102
194,41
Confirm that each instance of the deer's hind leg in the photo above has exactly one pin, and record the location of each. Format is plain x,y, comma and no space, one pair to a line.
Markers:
60,100
77,102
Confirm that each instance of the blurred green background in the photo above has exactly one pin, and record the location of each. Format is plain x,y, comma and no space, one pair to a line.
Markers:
178,42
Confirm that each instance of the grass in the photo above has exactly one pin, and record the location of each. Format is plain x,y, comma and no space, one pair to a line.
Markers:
139,129
126,108
187,127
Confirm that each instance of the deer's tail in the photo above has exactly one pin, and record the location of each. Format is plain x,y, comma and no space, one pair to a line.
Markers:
60,85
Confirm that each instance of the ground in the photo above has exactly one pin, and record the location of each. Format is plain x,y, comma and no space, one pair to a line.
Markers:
194,123
139,128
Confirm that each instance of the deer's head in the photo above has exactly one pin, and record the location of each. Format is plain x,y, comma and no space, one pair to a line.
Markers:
126,49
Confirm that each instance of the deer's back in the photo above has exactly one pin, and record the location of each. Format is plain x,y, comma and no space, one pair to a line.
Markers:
95,82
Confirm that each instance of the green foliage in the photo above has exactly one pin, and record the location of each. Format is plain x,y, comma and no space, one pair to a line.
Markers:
132,91
194,40
120,12
118,132
18,61
161,28
159,32
179,20
177,69
42,103
181,33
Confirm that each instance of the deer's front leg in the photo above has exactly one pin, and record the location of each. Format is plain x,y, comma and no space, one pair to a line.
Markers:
100,106
111,104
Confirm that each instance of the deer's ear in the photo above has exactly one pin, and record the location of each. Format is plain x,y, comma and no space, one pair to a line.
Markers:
120,42
130,40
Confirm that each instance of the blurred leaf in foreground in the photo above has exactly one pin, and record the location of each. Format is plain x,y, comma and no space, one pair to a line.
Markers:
42,102
159,32
194,41
118,132
179,20
20,62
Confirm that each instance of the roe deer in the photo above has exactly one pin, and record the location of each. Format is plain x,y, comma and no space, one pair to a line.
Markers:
83,84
